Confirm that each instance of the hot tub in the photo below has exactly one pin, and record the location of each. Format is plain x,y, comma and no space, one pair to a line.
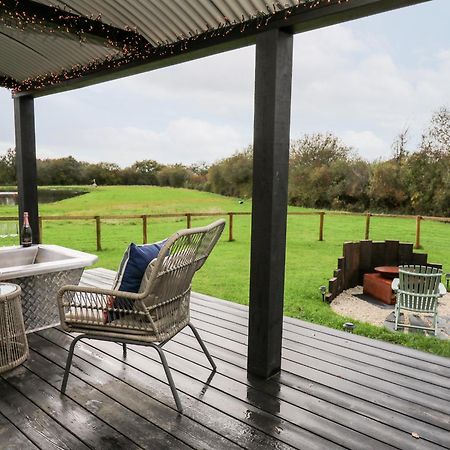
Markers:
41,270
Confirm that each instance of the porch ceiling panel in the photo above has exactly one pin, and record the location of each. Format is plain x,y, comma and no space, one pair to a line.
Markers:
25,55
48,46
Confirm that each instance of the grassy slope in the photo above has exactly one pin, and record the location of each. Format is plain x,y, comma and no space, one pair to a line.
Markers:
309,262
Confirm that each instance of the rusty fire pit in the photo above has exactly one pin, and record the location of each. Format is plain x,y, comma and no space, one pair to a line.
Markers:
378,285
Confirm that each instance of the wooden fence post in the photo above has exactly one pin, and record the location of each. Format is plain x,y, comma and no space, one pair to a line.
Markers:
322,216
367,233
41,238
98,232
418,220
144,229
188,220
230,227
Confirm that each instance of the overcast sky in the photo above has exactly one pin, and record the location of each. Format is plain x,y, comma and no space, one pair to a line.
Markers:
364,81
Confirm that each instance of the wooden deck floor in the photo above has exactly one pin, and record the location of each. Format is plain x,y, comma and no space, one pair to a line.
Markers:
335,391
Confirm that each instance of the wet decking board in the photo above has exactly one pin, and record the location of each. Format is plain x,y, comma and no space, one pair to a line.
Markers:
336,390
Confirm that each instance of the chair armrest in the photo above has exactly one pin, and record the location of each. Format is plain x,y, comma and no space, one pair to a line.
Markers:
100,292
442,290
395,284
94,290
94,306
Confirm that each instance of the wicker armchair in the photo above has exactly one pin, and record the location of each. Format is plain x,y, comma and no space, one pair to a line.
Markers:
418,289
150,317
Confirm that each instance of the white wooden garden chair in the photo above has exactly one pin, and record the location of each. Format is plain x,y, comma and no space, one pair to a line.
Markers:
418,289
151,316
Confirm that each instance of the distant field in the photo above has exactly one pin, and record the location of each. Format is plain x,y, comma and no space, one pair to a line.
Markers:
309,262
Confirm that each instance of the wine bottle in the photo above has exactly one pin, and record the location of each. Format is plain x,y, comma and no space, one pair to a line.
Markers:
26,236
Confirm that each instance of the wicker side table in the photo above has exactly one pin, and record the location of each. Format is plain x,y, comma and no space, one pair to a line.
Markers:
13,341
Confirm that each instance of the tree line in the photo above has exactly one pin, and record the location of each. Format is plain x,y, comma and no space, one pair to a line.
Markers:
323,173
68,172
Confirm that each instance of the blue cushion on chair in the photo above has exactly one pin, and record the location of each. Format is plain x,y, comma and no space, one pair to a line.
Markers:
134,263
129,276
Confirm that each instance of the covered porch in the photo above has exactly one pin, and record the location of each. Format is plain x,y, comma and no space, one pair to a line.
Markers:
335,390
304,387
50,48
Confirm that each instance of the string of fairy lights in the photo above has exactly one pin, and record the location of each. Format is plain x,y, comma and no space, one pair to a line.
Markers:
126,46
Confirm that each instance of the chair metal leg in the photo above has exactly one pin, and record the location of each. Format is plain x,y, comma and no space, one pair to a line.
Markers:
203,346
124,350
69,363
169,376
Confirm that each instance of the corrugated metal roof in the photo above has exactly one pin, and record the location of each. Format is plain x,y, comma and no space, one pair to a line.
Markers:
28,54
47,42
40,51
165,21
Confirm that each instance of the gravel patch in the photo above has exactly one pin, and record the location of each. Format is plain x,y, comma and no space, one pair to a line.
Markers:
364,310
444,305
353,303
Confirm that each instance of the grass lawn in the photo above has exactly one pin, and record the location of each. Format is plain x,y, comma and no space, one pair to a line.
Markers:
226,275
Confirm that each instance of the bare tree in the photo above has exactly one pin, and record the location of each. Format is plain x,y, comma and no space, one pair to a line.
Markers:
399,149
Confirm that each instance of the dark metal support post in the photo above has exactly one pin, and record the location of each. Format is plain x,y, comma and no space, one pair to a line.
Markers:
273,81
26,162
